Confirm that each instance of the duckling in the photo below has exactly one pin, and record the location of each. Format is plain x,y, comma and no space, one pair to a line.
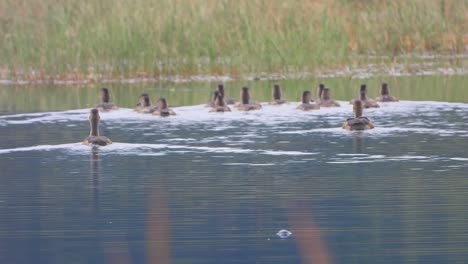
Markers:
105,104
307,105
359,122
144,105
277,96
326,99
163,109
94,137
229,101
220,105
367,103
246,104
385,95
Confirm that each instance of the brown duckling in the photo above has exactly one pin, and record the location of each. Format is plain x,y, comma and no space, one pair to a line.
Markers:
385,95
246,104
144,105
105,104
220,105
359,122
326,100
163,109
366,102
307,105
277,96
94,137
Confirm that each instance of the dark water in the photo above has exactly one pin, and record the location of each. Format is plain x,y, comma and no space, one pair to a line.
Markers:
216,188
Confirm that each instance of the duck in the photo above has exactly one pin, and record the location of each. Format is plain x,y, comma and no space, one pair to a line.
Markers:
105,104
246,104
306,104
163,109
326,99
358,122
385,95
220,105
144,105
94,138
277,96
366,102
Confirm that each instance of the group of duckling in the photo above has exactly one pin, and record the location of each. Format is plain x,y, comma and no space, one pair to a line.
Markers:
220,104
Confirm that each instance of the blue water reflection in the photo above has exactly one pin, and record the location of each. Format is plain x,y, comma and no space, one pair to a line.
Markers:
216,188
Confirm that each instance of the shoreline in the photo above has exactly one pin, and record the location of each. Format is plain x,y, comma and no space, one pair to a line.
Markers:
432,68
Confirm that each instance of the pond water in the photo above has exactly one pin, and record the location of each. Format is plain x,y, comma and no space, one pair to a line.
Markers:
205,187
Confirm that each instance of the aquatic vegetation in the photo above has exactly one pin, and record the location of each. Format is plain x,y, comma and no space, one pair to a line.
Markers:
73,40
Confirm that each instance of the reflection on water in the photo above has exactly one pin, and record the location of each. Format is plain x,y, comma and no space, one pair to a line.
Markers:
205,187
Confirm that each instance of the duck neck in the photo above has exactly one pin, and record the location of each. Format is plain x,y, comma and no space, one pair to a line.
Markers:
105,98
94,124
320,94
358,112
245,97
147,102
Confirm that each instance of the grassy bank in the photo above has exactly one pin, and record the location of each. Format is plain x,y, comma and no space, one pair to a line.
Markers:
166,37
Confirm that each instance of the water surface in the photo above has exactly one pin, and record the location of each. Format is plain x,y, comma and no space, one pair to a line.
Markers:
205,187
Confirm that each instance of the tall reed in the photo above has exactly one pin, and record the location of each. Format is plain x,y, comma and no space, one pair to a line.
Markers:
147,37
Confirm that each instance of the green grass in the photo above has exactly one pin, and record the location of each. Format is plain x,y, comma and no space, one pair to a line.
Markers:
166,37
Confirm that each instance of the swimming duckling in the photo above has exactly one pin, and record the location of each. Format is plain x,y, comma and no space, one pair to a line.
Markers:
307,105
144,105
220,105
94,137
359,122
367,103
385,95
229,101
246,104
277,96
326,99
320,92
163,109
105,104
